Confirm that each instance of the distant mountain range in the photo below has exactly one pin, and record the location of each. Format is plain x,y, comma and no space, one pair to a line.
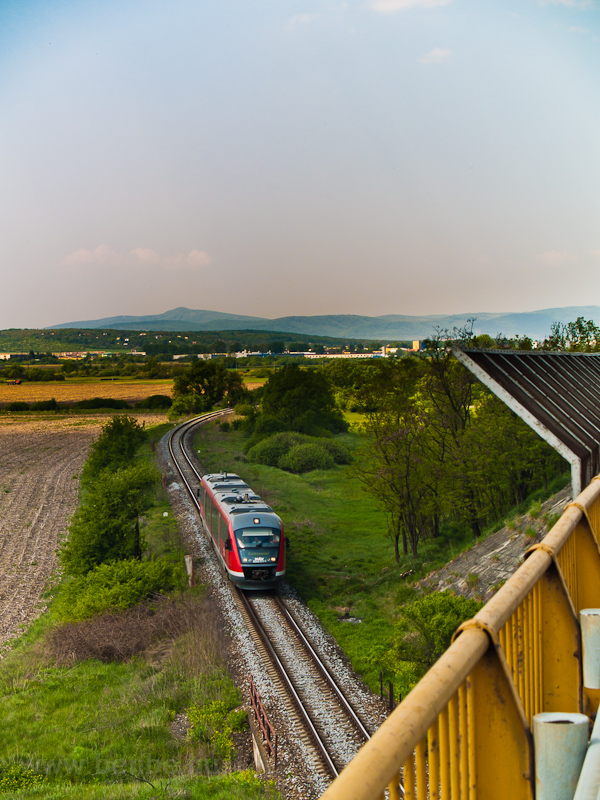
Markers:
535,324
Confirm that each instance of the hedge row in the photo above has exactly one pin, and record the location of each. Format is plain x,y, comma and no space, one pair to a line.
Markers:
154,402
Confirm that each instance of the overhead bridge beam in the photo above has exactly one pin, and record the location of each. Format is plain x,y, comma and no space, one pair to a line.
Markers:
556,394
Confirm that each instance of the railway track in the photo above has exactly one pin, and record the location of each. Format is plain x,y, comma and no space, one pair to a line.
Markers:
316,708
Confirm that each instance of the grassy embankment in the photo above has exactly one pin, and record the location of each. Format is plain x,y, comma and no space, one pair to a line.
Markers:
340,559
91,729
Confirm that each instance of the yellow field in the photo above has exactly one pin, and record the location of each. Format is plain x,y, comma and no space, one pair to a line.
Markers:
73,391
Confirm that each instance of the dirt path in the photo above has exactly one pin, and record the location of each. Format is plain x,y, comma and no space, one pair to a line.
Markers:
40,463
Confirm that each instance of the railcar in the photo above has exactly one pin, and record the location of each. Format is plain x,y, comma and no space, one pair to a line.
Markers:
246,533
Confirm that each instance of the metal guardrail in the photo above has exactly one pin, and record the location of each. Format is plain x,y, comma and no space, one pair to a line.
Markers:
261,718
464,732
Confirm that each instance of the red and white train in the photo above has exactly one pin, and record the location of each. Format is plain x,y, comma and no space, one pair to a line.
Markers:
247,534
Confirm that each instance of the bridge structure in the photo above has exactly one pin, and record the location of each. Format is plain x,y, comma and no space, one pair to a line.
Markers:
465,731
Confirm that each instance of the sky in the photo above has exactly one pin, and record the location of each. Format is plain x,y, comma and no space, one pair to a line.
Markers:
297,157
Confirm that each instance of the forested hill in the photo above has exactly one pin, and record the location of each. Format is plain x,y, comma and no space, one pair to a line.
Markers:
535,324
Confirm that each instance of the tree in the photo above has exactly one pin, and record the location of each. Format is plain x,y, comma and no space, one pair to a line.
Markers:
392,466
201,385
105,527
303,400
581,335
115,447
425,631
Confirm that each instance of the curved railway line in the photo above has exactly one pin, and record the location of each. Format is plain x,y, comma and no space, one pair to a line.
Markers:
317,709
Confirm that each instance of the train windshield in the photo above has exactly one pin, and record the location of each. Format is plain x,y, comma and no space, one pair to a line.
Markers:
258,545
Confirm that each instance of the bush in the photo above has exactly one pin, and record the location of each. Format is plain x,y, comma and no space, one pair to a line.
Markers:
105,528
16,776
210,725
120,584
224,426
17,405
155,402
101,402
339,453
271,450
274,450
427,625
245,409
45,405
115,447
266,425
306,457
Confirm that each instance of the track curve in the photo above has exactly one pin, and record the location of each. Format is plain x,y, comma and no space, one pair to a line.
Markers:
317,707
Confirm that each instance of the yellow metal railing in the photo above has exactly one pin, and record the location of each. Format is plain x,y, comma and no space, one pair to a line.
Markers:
464,732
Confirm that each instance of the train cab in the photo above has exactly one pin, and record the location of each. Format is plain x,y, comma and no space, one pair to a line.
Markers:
247,534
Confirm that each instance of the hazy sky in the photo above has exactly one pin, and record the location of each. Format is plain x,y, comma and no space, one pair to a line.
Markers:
276,157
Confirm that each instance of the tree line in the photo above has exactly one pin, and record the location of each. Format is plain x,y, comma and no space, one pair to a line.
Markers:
440,448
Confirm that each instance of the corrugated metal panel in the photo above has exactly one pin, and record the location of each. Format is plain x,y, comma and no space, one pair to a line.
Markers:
561,391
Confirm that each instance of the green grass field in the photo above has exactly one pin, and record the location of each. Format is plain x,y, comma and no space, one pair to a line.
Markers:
340,559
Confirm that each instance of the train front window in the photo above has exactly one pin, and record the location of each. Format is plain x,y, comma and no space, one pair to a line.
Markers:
258,545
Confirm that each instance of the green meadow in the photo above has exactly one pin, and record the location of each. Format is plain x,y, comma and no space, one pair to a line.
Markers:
340,557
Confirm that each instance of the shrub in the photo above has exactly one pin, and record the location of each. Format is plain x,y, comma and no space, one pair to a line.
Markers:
17,405
16,776
120,584
210,724
306,457
115,447
427,625
245,409
267,425
339,453
224,426
101,402
105,527
155,402
271,450
45,405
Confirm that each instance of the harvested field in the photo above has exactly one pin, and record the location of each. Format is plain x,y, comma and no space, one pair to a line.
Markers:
73,391
40,464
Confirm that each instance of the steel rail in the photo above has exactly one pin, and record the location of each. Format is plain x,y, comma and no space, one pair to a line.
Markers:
323,669
181,430
321,747
318,741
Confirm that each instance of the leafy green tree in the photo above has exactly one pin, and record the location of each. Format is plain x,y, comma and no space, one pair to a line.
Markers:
115,447
581,336
302,399
15,371
392,465
203,384
105,527
427,625
119,584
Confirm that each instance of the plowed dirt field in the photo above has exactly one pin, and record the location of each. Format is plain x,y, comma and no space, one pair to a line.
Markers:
40,463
